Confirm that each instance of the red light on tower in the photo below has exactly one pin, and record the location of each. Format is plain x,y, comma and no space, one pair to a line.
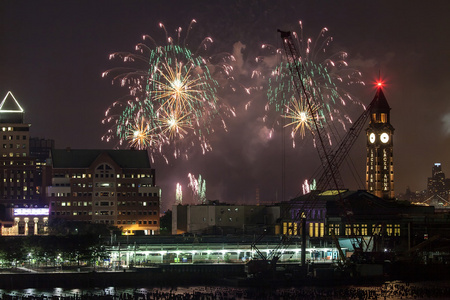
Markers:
379,84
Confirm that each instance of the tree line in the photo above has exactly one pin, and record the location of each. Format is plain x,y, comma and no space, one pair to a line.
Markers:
68,243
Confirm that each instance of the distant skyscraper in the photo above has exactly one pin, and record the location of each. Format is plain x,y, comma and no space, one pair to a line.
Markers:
437,184
380,157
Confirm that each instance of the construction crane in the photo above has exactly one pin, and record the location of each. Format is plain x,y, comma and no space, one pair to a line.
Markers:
330,164
299,72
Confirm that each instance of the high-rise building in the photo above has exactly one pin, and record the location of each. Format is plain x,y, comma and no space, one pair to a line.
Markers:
19,177
40,150
114,187
380,156
17,181
437,183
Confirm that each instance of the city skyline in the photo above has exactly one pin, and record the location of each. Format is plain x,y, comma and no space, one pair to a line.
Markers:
54,53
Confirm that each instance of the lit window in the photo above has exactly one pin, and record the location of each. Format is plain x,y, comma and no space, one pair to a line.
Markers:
389,229
397,230
376,229
348,229
356,229
364,229
334,227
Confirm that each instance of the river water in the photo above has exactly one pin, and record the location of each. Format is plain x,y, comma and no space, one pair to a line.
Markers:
391,290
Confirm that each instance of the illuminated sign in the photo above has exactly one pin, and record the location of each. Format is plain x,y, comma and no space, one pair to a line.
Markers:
9,95
386,171
31,211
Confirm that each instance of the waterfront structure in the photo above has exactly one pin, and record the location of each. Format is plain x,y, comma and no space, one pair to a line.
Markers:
114,187
214,217
380,223
140,251
380,156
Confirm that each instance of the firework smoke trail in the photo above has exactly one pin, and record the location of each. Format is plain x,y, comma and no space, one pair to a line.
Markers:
202,193
172,88
193,184
178,195
324,76
198,187
307,187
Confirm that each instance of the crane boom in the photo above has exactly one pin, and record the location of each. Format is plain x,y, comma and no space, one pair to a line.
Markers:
299,72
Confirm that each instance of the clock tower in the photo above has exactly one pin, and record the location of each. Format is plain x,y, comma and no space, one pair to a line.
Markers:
380,157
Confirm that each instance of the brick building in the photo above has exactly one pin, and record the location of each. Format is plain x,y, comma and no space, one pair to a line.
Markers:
114,187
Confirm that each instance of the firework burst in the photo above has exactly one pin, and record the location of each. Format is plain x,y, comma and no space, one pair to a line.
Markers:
140,136
301,117
324,76
174,89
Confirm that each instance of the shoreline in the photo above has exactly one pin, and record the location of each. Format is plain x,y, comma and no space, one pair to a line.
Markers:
227,275
163,275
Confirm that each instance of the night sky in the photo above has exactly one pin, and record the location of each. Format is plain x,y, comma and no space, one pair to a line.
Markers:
52,55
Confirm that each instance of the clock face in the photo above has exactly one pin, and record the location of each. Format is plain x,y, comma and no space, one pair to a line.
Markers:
384,137
372,138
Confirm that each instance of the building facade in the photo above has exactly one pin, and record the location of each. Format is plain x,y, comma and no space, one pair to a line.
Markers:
380,155
357,216
113,187
221,219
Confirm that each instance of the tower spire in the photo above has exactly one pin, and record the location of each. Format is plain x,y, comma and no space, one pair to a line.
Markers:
380,163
